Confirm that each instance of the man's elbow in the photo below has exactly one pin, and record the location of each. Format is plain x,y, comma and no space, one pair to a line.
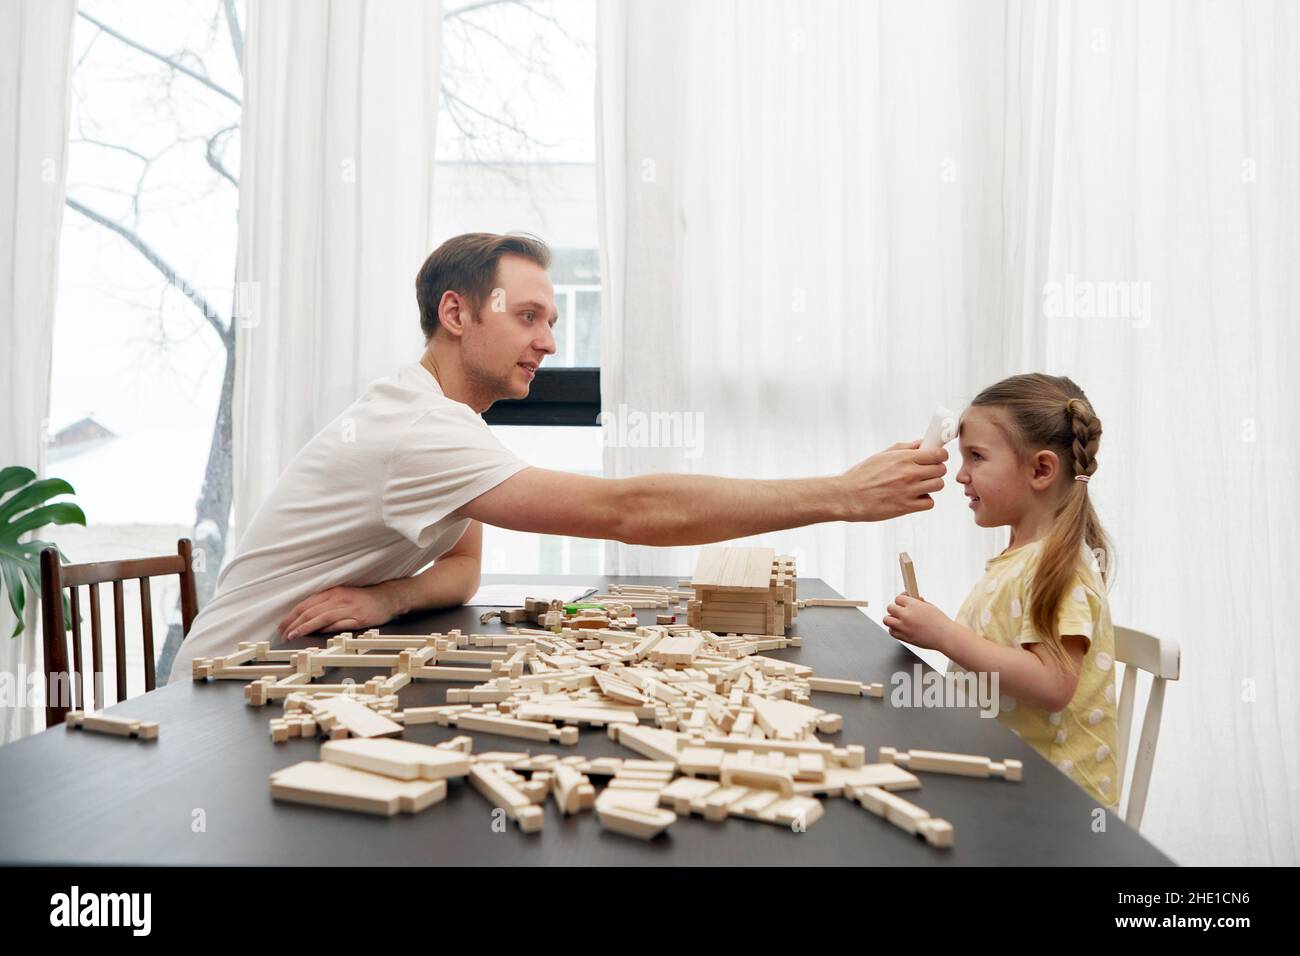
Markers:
471,588
471,584
623,517
462,577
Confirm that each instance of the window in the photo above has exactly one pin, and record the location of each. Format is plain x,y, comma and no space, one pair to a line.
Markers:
149,243
147,258
522,158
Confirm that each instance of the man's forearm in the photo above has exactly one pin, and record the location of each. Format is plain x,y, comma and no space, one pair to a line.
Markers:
450,581
664,510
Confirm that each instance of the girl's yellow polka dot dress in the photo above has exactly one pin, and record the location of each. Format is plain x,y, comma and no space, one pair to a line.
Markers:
1079,740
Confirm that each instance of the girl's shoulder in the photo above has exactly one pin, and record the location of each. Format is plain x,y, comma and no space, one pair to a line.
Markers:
1020,563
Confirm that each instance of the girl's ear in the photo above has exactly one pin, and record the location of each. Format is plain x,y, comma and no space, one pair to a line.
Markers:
1046,469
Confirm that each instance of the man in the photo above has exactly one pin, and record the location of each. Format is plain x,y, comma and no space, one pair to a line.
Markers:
406,477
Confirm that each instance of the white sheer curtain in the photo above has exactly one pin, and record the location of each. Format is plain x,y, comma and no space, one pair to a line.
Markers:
821,219
336,198
35,54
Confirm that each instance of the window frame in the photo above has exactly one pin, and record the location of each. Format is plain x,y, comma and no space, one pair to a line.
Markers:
557,396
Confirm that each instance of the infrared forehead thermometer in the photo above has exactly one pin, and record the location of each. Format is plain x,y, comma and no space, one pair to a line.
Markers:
941,430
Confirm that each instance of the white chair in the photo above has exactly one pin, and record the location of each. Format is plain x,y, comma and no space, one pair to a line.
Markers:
1161,659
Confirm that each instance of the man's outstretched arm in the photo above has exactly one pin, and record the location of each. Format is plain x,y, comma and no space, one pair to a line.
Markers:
659,510
665,510
448,582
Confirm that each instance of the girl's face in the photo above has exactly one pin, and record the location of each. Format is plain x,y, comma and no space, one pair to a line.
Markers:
998,482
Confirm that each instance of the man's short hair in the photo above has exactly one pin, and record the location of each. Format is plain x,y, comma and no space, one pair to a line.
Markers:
467,264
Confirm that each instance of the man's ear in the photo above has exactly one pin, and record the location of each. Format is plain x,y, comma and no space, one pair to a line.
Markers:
1046,469
453,312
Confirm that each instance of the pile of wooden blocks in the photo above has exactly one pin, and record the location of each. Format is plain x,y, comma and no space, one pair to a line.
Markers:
648,596
743,590
554,615
720,729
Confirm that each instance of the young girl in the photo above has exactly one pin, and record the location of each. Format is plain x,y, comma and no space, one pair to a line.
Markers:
1038,618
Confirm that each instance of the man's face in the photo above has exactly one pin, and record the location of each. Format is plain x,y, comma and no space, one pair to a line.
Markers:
515,333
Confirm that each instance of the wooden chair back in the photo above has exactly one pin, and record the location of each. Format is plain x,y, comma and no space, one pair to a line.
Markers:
64,684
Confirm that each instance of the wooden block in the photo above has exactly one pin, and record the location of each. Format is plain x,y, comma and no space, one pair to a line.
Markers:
476,675
830,723
737,772
117,726
904,815
831,602
535,790
619,690
642,823
810,767
717,805
647,741
831,685
622,782
835,780
356,718
461,744
596,716
251,671
677,650
684,792
523,729
701,761
805,810
627,773
715,802
343,788
335,659
663,768
572,790
909,575
783,719
489,781
963,765
400,759
765,746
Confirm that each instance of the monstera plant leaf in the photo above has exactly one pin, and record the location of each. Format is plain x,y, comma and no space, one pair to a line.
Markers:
23,511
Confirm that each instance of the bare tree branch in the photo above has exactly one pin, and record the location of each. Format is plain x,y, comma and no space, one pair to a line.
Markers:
236,32
214,160
175,65
97,142
511,51
471,7
460,12
167,271
517,130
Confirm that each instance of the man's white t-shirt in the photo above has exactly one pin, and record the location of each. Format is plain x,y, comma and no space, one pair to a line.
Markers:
369,499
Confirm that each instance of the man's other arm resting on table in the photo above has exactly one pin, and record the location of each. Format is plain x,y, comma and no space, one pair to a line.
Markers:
448,582
658,510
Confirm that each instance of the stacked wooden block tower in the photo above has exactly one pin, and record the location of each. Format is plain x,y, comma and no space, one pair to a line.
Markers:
743,591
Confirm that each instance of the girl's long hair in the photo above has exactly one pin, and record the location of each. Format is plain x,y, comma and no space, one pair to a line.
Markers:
1052,413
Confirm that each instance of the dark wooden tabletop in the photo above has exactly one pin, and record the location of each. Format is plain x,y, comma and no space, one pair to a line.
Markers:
199,794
